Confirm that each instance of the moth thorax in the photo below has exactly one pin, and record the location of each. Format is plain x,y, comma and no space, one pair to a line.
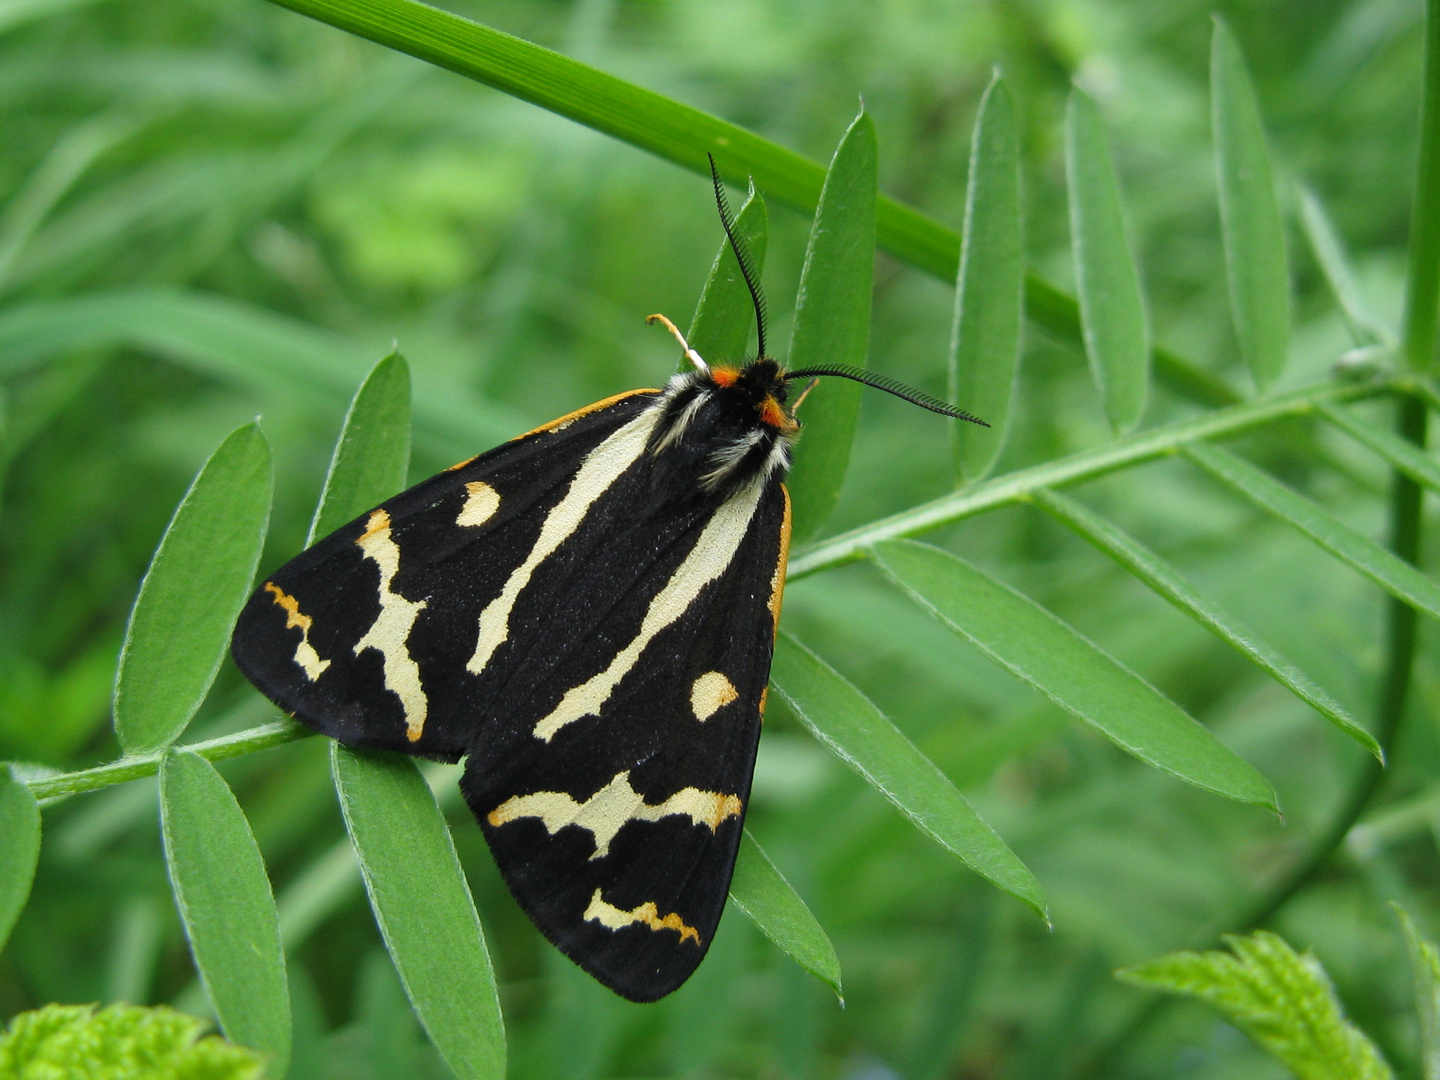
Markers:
712,437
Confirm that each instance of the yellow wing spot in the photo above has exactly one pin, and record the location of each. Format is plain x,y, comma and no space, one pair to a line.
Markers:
647,914
711,693
614,806
305,654
481,502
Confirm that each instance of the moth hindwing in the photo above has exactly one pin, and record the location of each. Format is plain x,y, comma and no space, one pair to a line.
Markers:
587,615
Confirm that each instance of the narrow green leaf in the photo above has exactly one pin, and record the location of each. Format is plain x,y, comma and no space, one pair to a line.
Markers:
1165,580
423,906
864,738
832,324
224,899
761,892
1329,252
985,339
681,134
1425,966
1076,674
724,322
1393,574
1249,214
1281,999
1112,308
372,455
196,584
19,848
1400,453
1421,336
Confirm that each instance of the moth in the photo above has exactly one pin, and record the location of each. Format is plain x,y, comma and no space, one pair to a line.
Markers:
586,615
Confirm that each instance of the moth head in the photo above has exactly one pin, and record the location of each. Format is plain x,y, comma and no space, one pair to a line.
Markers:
764,380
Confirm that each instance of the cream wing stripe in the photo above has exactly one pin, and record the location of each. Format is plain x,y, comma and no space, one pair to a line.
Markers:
709,558
647,914
390,632
601,468
612,807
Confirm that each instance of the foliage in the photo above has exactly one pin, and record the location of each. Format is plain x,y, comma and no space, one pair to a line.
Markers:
1280,998
213,210
119,1042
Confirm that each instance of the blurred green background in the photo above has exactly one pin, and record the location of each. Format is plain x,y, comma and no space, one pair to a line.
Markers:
213,209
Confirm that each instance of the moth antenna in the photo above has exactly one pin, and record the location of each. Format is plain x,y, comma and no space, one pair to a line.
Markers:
690,354
742,254
889,385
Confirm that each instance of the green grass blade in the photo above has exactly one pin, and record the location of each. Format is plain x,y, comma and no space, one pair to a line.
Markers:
1329,252
197,581
239,344
1112,308
985,339
724,322
1422,279
1401,453
423,906
1163,578
682,134
761,892
1077,675
1393,574
19,848
372,455
832,324
1425,967
224,899
864,738
1249,215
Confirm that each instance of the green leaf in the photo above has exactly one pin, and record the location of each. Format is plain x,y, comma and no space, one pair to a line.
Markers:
985,339
1281,999
1329,252
19,847
242,345
119,1042
832,324
1076,674
864,738
223,896
1249,214
724,322
761,892
194,589
1425,966
1163,578
372,455
1401,453
1112,308
1393,574
423,906
682,134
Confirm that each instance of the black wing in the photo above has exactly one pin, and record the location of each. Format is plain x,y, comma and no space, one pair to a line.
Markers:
610,717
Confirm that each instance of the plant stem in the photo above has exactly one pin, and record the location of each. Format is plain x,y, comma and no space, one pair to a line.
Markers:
1400,625
1422,299
1085,465
260,737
